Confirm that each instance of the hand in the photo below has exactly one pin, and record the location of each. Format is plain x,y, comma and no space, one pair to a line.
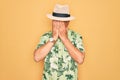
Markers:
55,25
63,31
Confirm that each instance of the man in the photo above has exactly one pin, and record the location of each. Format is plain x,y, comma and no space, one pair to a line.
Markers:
62,49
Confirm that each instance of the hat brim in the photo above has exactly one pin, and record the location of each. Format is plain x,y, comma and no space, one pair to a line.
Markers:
50,16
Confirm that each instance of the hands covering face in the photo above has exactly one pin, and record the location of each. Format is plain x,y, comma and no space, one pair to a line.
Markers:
59,30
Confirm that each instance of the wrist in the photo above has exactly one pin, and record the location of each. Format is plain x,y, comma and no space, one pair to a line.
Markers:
52,40
65,39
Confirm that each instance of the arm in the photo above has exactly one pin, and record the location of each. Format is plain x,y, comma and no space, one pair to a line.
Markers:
75,53
41,52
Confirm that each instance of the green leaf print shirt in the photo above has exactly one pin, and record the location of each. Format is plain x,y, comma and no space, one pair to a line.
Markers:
58,64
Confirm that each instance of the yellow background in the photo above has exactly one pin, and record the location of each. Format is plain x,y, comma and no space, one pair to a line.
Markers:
22,22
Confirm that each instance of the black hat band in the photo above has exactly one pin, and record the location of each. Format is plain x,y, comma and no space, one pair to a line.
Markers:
60,15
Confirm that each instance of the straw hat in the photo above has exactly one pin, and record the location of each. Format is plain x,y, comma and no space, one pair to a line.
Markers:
61,12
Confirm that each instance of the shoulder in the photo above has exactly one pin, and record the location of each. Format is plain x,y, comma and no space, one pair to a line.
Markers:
47,34
74,33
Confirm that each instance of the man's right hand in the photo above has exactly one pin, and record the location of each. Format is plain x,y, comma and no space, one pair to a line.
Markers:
55,27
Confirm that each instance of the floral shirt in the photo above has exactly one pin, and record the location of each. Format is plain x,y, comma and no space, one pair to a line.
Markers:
58,64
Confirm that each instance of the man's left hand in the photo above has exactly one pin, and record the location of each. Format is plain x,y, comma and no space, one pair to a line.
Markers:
63,31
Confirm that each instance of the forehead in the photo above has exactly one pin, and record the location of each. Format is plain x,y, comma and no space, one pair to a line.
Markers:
59,21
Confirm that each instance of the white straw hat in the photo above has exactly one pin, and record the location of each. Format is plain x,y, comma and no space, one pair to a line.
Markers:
61,12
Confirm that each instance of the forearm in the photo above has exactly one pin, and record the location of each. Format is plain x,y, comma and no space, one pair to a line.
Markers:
73,51
41,52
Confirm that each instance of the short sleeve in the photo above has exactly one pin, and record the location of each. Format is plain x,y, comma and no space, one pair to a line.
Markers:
79,42
43,39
